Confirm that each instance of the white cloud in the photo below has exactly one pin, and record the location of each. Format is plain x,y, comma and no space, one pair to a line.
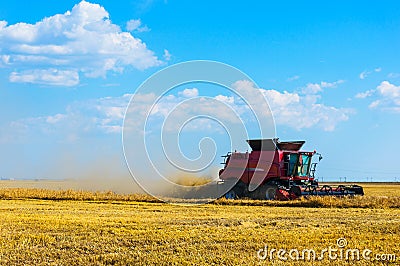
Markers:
296,77
394,75
374,104
300,111
225,99
189,93
83,40
136,25
133,24
105,115
362,95
313,88
52,77
389,90
296,111
387,97
167,55
331,84
366,73
276,98
55,118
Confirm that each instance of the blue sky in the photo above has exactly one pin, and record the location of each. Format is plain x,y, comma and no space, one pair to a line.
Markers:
330,71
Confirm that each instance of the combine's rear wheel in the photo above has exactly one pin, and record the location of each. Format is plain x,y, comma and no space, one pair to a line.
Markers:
268,192
237,191
231,194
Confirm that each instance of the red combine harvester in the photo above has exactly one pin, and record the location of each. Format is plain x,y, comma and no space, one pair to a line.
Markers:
276,170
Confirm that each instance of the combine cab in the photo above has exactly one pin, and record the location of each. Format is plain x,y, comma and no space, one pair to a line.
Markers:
276,170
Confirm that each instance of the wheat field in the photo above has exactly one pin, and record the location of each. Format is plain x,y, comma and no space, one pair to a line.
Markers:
69,227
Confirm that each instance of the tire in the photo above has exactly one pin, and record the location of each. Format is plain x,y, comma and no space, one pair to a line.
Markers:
231,194
296,190
268,192
236,192
358,190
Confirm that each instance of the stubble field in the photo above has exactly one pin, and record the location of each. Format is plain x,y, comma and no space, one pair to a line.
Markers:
57,227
